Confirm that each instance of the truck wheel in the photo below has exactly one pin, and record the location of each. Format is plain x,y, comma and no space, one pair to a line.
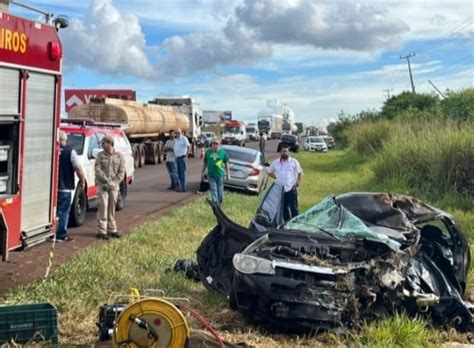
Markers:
159,152
152,153
136,156
77,215
122,195
142,151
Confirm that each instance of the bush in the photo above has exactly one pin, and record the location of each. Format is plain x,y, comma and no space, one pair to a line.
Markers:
459,105
368,138
432,157
407,100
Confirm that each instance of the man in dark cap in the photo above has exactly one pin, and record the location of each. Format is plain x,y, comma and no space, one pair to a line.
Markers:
68,165
109,173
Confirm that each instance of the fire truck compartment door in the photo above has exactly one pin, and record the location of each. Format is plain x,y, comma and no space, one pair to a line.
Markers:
38,151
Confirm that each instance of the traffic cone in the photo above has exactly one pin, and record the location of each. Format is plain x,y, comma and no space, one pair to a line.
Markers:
201,155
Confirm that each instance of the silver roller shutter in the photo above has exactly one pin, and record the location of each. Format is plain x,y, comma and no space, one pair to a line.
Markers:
9,91
38,151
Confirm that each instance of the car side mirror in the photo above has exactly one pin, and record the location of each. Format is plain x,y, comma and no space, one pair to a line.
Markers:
262,219
95,152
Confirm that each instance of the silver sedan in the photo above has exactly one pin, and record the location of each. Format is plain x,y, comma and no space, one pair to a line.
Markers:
247,169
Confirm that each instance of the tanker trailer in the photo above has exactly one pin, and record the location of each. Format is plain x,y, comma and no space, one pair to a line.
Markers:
147,126
192,110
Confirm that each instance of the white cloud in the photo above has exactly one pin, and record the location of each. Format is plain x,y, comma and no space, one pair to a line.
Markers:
328,25
107,41
434,19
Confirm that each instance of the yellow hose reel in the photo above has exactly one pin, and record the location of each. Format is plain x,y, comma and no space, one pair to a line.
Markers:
150,322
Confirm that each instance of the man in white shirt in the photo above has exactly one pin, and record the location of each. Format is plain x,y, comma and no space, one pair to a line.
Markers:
181,151
287,171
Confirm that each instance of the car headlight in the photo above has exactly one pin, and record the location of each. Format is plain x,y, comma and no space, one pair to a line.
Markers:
250,264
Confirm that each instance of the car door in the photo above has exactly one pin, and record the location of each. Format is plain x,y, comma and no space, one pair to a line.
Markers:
270,211
94,143
123,145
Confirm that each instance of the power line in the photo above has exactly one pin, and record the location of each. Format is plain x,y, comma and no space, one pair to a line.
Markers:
409,69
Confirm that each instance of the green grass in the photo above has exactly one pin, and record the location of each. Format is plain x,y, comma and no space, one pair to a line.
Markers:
142,258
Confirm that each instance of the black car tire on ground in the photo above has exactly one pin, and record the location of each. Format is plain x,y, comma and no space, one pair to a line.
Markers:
77,215
122,195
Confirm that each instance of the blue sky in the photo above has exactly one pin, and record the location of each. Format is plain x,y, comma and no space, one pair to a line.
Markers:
249,56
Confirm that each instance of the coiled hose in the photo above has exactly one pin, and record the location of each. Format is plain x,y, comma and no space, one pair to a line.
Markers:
151,322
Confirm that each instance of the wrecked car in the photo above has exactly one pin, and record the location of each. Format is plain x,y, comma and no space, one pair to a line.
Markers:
351,257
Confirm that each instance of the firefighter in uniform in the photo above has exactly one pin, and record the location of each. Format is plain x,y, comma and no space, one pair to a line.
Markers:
109,173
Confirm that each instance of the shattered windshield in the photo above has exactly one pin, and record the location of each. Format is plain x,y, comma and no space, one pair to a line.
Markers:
328,217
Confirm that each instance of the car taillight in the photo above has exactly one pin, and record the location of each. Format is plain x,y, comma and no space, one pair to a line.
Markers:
254,171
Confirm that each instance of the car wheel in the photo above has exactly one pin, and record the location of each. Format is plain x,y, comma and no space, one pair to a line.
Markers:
77,215
122,195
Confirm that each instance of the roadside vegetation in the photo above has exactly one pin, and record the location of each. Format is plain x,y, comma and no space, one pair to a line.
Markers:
430,159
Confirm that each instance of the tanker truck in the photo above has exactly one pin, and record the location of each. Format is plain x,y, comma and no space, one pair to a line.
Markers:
147,126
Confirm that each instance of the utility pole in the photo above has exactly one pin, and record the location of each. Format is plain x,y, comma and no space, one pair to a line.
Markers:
409,69
387,91
437,90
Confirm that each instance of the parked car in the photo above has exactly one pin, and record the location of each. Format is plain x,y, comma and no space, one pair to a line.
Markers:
315,144
85,137
289,140
347,259
329,141
247,169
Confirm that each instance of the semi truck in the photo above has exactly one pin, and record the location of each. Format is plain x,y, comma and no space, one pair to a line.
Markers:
234,133
299,127
252,132
272,125
30,95
146,125
289,128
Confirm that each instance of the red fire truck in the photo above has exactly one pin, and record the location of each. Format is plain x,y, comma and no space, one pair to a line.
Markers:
30,90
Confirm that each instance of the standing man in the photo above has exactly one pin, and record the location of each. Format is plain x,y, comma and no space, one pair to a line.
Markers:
216,160
181,151
261,143
109,173
287,171
171,161
68,164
